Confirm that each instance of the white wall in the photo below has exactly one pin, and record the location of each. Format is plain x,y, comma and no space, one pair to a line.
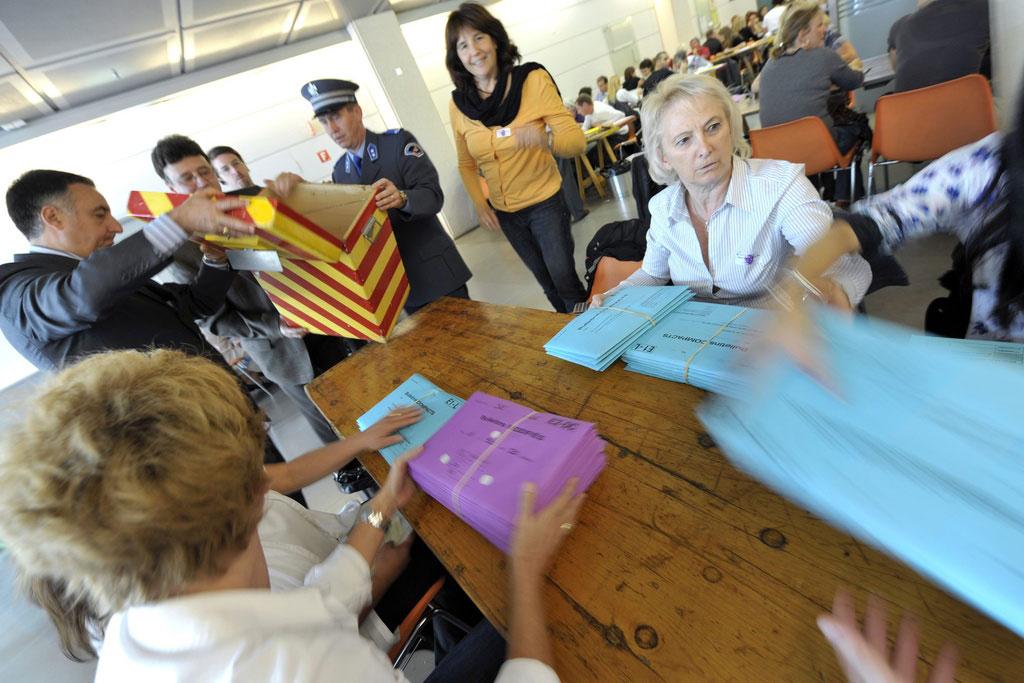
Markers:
1007,21
727,8
566,36
259,112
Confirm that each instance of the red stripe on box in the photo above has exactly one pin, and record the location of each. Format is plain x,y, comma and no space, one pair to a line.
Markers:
375,296
316,307
284,245
354,235
310,291
308,224
370,258
297,317
396,303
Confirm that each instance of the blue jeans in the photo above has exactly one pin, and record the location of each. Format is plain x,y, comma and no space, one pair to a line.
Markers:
542,236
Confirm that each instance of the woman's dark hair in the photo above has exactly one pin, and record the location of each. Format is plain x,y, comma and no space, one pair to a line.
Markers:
630,71
476,17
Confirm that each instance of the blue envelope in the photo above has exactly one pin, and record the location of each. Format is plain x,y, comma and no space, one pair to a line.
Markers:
915,448
437,405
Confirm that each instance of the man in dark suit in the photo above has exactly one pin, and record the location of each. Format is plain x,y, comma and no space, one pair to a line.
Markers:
248,314
406,186
76,293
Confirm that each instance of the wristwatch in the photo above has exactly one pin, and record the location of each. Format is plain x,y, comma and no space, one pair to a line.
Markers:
374,518
405,198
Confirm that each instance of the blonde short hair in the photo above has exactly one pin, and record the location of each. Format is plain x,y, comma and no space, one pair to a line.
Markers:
797,17
684,88
131,474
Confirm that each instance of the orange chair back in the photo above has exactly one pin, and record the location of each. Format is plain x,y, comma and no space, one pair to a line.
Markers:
805,141
405,629
610,272
924,124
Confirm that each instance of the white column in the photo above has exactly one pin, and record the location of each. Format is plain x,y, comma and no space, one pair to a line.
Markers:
403,98
1006,18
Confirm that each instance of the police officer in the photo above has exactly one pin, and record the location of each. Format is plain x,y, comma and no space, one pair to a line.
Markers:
406,185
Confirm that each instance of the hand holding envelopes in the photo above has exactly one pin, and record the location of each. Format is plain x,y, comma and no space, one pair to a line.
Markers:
341,273
916,449
437,405
706,345
596,338
477,463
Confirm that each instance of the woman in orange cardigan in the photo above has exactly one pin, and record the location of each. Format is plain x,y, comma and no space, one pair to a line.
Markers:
508,121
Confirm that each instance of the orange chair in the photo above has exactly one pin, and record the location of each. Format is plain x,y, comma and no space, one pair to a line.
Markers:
610,272
805,141
410,631
924,124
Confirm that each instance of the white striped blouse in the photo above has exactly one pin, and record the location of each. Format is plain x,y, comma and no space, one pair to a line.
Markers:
770,212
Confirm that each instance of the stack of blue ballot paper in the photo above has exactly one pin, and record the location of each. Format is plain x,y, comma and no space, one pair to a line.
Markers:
596,338
915,448
706,345
1006,352
437,405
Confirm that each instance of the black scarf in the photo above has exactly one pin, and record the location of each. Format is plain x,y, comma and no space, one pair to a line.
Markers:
494,111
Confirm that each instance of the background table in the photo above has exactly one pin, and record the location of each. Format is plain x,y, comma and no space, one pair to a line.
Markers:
681,568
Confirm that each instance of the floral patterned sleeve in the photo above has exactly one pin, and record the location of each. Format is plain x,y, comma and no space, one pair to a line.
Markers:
951,195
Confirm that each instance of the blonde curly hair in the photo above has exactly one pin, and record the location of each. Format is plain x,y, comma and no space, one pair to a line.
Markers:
132,474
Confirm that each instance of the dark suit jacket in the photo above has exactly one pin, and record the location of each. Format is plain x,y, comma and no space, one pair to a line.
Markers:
432,262
249,315
55,309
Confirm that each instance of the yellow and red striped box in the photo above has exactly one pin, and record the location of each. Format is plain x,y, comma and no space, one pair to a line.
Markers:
342,273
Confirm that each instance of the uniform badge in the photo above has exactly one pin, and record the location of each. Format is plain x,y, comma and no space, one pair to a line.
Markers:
371,151
503,132
413,150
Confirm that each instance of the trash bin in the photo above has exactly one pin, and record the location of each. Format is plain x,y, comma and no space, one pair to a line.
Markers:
619,180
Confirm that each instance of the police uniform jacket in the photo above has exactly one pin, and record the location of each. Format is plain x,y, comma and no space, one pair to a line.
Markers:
432,263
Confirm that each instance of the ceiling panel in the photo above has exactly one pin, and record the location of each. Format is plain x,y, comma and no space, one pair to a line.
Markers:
315,18
226,40
45,30
17,101
203,11
113,71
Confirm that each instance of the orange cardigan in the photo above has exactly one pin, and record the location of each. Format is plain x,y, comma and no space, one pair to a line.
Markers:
517,178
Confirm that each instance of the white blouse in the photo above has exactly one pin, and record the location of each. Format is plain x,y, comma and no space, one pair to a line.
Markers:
286,635
770,212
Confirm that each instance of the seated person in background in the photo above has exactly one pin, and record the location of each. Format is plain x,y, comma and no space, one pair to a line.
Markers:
772,19
729,38
662,70
630,81
687,62
801,76
587,90
942,40
699,50
602,89
230,169
646,69
736,26
834,40
598,114
975,193
134,489
752,30
712,43
726,225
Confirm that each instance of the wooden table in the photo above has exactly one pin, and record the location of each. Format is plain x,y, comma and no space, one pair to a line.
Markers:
682,568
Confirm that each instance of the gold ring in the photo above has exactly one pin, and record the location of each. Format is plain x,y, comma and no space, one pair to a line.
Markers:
568,526
225,231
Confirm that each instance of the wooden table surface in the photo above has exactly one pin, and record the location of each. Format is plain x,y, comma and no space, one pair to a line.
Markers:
682,568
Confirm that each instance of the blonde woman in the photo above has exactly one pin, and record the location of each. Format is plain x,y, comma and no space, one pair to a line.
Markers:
134,498
726,224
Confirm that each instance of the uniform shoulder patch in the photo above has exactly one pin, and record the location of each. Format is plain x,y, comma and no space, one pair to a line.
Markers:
413,150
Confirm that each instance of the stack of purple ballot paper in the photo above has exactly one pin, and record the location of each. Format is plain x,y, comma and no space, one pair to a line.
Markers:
477,463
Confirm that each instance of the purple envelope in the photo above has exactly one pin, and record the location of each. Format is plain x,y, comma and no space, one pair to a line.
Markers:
477,463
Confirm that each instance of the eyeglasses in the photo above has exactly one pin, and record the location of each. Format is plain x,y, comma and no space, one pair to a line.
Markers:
204,172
